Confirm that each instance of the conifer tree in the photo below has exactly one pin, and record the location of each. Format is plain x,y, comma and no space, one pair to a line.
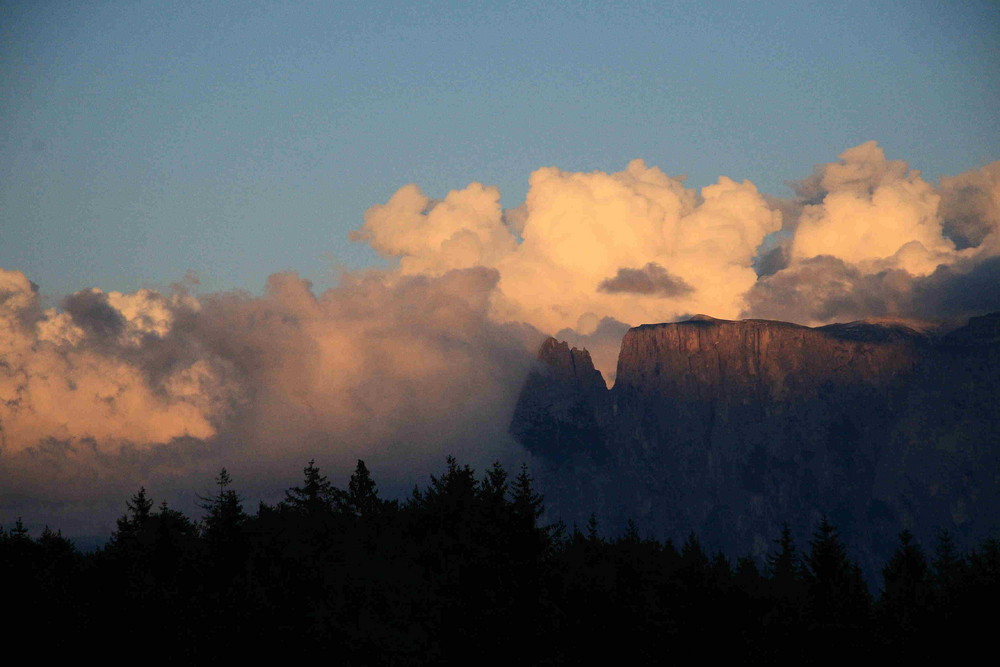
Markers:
133,523
316,495
905,591
173,528
785,569
225,517
19,533
837,591
693,557
452,497
784,565
631,534
593,537
947,568
526,504
494,486
361,498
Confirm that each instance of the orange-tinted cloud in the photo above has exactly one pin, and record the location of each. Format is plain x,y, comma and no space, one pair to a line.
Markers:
412,363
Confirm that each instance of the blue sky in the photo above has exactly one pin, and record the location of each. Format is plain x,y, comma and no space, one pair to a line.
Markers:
142,140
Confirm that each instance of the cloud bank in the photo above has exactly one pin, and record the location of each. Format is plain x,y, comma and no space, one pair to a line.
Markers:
871,238
565,258
406,365
112,391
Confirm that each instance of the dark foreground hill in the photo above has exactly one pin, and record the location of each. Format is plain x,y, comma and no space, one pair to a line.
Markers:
729,428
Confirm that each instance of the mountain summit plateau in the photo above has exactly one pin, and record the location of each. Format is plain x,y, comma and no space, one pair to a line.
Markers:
731,428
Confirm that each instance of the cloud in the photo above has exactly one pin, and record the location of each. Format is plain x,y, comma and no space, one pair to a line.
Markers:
574,231
873,239
651,279
826,289
409,365
970,205
860,170
82,373
400,370
405,365
871,210
464,229
91,311
773,255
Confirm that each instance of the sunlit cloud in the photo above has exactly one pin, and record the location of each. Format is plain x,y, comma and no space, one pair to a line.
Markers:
426,358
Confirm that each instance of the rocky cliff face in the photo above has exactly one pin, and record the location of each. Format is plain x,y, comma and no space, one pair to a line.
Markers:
706,358
731,428
563,405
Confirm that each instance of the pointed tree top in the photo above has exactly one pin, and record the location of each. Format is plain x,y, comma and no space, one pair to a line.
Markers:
140,505
223,480
315,496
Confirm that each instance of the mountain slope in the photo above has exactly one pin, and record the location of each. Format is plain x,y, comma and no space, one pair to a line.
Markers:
731,428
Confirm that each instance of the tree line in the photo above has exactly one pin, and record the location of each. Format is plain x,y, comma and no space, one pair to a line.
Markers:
464,570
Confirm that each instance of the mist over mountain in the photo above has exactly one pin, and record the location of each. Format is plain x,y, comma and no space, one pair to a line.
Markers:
729,428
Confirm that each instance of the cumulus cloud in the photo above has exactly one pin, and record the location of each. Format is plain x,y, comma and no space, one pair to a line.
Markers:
825,289
871,210
77,374
872,238
970,205
406,365
575,231
401,370
464,229
401,365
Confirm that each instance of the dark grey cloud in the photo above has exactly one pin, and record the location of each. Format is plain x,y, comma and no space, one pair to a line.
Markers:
652,280
956,292
970,205
827,289
770,262
91,311
774,254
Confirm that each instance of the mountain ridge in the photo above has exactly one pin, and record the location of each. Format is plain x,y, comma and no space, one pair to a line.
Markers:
731,427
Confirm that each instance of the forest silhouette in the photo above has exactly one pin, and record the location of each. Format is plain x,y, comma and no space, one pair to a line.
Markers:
464,571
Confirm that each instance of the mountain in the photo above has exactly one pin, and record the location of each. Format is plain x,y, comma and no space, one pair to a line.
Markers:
729,428
561,404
